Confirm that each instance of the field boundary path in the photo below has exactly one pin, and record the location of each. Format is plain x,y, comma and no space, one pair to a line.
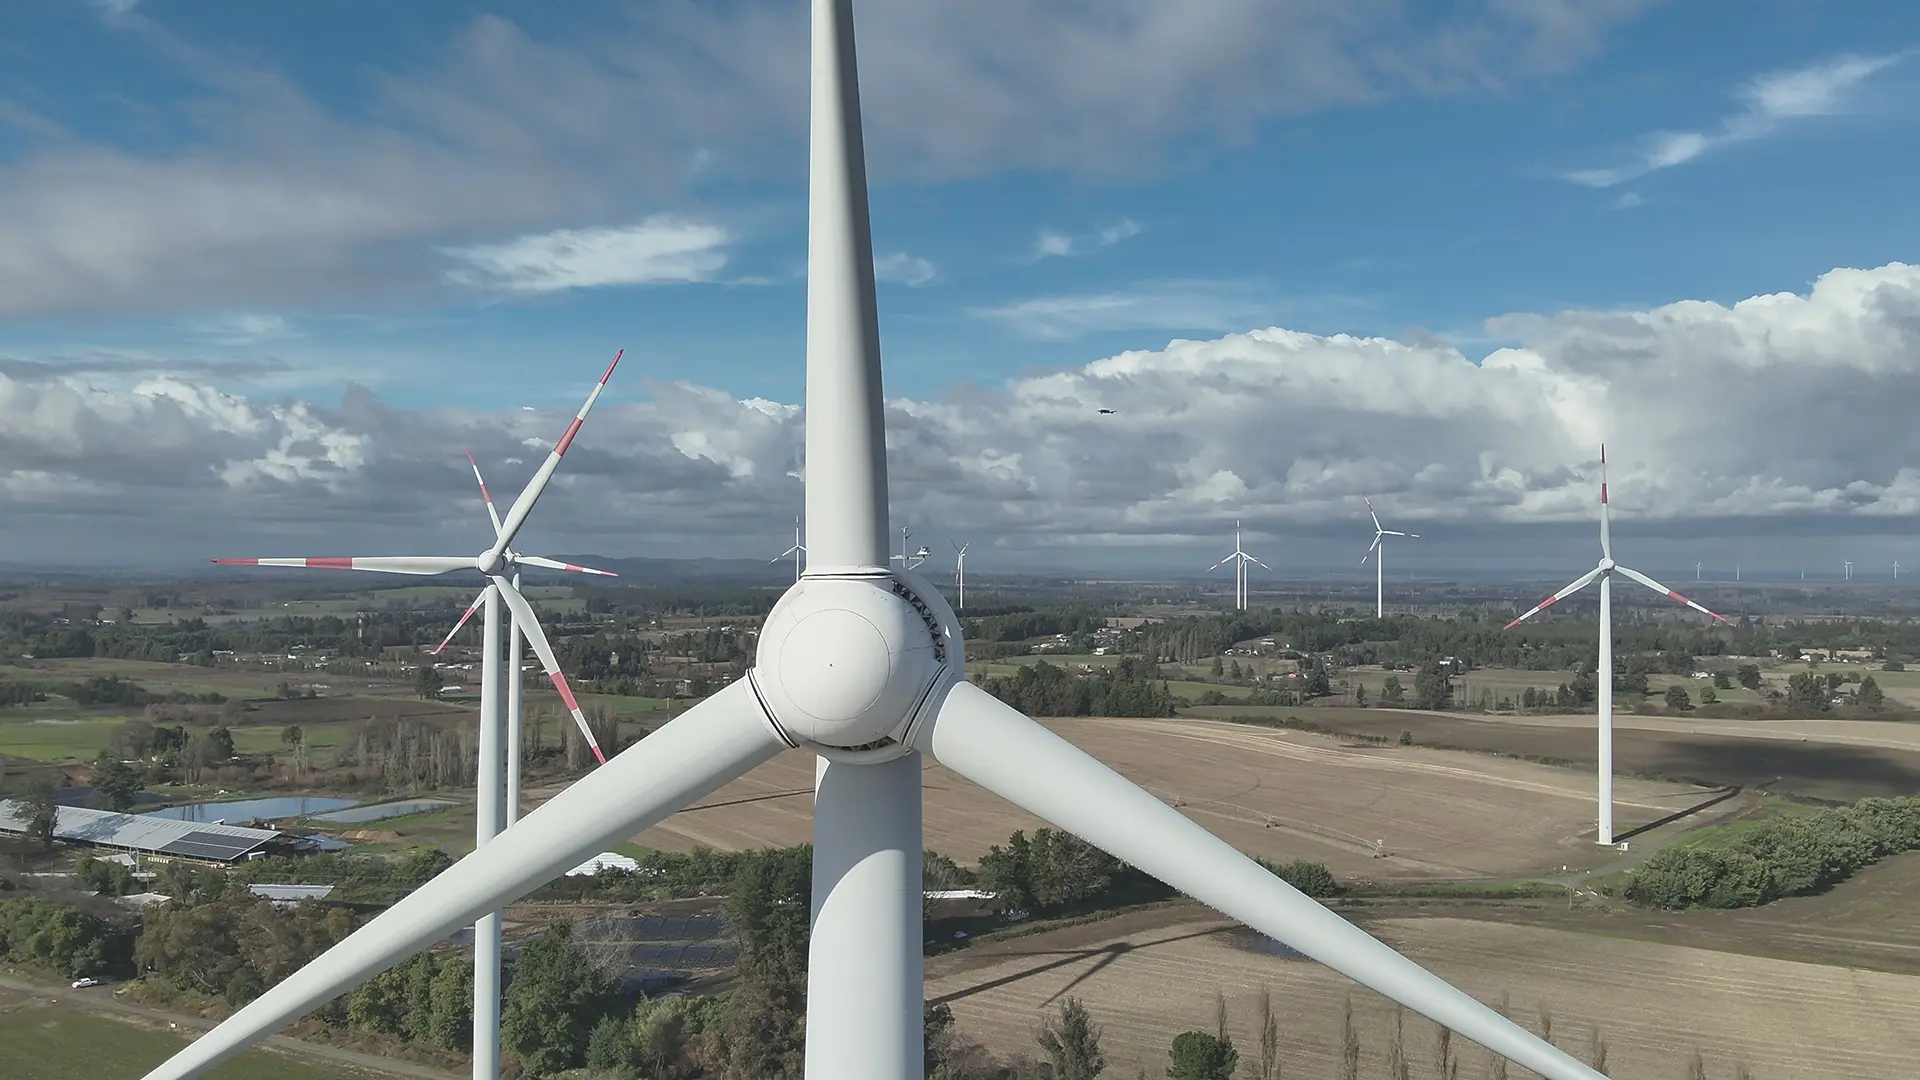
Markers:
102,999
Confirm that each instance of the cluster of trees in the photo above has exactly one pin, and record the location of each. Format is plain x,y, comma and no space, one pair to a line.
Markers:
1132,687
1789,856
356,877
1813,692
62,938
1056,872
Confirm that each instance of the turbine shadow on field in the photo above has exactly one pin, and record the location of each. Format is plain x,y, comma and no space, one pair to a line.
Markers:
1725,793
1102,957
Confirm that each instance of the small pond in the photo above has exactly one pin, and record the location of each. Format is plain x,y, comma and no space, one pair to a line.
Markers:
243,810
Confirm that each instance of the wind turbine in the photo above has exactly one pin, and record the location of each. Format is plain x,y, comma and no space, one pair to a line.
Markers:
861,665
1239,559
909,561
1849,570
498,796
1379,564
1696,571
1603,670
960,573
797,550
1896,569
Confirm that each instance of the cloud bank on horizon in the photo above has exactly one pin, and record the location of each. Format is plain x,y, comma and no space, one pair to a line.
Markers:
1780,407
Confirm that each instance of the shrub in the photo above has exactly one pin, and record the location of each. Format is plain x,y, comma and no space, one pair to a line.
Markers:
1787,857
1312,878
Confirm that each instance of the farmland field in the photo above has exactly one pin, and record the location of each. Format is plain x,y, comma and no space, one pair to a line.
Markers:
1278,794
44,1039
1823,766
1655,1002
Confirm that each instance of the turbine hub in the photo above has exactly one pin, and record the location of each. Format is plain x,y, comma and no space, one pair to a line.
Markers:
1606,565
844,661
489,563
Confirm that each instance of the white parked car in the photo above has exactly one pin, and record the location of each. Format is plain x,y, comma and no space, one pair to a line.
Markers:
83,983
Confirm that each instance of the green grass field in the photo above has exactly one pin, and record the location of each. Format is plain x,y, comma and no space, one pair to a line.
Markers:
61,1042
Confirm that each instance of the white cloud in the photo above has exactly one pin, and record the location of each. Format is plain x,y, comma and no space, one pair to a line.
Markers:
1050,243
1823,89
660,250
264,194
1782,411
1629,200
1162,305
242,328
901,268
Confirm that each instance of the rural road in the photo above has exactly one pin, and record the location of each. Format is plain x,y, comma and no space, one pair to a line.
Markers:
102,999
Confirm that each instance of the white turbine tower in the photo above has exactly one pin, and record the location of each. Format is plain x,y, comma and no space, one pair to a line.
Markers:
797,550
1896,569
960,573
1239,559
496,800
1849,570
1379,564
861,665
1603,670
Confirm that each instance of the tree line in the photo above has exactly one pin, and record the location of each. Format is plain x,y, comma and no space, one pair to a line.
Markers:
1789,856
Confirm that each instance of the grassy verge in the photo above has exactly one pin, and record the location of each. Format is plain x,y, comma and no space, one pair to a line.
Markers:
44,1040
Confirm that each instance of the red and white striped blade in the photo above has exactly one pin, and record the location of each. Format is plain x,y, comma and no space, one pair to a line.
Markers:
1371,547
1659,588
424,565
485,496
1374,516
1255,561
1606,511
475,606
555,564
1579,583
522,506
530,626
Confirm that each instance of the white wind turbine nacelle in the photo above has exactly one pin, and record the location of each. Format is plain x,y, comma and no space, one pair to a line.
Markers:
872,694
845,663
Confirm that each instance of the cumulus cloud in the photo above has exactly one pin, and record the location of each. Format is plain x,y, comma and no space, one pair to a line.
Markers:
901,268
1052,243
1768,414
660,250
264,191
1823,89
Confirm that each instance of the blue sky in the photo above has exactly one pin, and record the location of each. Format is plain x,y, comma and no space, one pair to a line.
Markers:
472,206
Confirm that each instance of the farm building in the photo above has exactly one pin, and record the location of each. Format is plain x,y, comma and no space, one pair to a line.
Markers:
157,836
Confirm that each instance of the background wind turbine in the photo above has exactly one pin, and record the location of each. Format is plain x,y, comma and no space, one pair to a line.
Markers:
797,550
1849,570
1239,559
497,772
863,666
1603,670
1379,564
1696,571
1896,569
960,573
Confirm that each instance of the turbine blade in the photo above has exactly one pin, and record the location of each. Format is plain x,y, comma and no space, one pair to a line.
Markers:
1370,549
522,506
484,494
1222,562
846,444
691,756
1256,562
984,740
471,608
1659,588
1606,511
530,626
555,564
1374,516
1579,583
424,565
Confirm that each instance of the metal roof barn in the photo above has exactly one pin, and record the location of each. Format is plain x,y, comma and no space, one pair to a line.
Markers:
154,836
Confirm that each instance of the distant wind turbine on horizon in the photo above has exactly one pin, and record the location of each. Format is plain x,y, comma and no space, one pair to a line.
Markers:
1379,565
797,550
1603,670
1239,558
960,573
